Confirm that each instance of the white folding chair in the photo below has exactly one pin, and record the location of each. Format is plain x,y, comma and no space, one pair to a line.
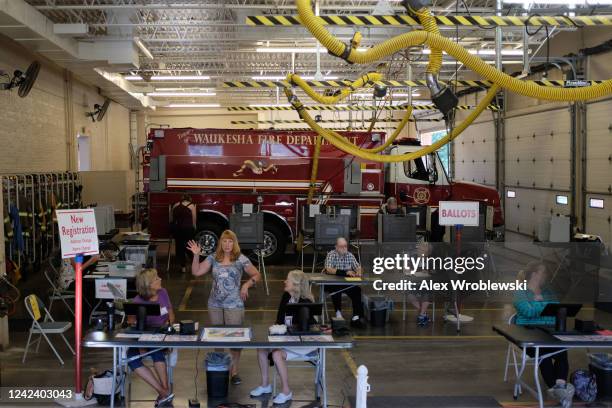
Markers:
43,326
56,293
512,349
308,362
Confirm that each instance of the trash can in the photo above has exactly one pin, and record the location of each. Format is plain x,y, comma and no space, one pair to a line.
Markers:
217,367
378,310
601,366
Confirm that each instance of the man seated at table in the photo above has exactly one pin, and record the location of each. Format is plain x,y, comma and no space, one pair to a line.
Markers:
149,286
341,262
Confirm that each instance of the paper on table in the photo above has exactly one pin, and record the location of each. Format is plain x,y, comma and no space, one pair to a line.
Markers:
584,338
319,337
353,279
178,337
127,335
275,339
93,276
604,332
226,334
151,337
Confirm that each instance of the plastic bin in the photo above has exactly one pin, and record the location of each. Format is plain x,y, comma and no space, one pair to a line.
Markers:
601,366
137,253
377,310
217,367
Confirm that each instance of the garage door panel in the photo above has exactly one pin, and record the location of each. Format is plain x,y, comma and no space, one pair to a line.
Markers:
525,211
599,221
475,147
599,146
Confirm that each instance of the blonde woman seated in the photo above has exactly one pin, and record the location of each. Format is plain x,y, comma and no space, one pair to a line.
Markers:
149,287
297,290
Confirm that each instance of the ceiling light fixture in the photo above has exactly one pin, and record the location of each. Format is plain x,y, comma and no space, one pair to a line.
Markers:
193,105
268,105
169,77
181,94
282,78
292,50
143,48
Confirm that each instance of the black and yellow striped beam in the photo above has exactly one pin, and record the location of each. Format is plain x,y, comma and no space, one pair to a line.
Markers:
392,84
340,129
299,121
348,108
449,21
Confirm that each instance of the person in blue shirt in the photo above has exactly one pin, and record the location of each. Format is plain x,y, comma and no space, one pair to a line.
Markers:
529,305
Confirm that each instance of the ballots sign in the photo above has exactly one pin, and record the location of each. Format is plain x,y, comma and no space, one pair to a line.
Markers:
77,230
459,213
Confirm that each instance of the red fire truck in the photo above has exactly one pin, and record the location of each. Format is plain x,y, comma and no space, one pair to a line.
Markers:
222,167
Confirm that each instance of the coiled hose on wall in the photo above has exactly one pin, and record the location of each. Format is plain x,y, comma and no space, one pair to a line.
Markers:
436,41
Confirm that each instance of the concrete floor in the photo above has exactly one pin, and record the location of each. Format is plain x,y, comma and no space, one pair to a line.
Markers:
403,360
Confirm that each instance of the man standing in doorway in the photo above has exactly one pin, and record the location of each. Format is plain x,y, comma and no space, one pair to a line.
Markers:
183,227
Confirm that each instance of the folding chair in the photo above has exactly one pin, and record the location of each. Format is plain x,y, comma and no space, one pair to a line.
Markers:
312,362
43,326
171,361
57,293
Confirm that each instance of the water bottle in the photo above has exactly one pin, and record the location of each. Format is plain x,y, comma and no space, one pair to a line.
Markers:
110,312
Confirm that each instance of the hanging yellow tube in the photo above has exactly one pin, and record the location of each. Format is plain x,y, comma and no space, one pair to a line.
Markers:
434,41
315,170
341,143
344,93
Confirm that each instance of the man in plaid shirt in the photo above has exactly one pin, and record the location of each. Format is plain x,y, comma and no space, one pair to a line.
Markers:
341,262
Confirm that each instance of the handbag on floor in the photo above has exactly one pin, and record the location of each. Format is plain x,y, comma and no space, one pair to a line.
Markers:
99,386
585,384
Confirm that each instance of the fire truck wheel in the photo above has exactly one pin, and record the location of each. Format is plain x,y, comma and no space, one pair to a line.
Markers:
208,236
275,243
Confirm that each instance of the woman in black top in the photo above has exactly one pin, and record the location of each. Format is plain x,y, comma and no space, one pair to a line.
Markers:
297,290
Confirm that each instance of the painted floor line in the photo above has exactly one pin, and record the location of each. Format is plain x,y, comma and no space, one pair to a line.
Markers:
350,362
186,296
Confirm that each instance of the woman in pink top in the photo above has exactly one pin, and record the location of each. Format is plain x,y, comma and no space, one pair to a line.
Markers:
148,285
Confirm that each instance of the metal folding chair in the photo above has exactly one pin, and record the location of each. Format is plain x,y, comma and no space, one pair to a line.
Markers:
43,326
57,293
309,362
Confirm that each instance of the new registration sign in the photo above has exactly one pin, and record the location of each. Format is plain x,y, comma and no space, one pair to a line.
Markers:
459,213
77,230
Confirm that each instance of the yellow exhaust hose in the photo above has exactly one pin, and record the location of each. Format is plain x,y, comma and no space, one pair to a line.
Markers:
345,92
315,170
434,41
429,24
341,143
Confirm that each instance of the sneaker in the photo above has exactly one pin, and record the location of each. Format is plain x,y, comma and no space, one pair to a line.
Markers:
282,398
339,314
236,380
168,398
261,390
564,393
422,320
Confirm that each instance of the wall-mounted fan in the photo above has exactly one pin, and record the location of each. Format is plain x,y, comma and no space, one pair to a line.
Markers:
22,81
99,111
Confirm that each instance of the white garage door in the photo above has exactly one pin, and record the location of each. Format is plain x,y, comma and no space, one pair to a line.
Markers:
475,154
537,168
599,170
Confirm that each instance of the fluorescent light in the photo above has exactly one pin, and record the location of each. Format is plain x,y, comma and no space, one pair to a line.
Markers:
181,94
268,105
596,203
282,78
193,105
180,89
291,50
143,48
561,199
486,52
398,95
169,77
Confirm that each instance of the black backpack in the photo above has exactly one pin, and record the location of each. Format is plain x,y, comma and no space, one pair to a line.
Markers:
182,217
